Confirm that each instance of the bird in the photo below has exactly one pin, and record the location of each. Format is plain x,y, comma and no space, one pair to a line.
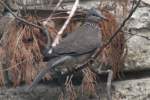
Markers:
76,47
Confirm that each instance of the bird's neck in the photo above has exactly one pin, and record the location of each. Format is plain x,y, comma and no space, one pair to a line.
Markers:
92,24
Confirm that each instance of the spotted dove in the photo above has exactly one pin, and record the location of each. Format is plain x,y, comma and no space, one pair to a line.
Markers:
77,47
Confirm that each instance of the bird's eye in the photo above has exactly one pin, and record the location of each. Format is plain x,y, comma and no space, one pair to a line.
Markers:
95,15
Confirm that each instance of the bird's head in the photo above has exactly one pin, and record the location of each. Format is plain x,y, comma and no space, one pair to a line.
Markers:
95,15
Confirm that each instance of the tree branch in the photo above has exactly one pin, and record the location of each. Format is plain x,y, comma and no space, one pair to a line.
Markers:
56,41
49,18
18,18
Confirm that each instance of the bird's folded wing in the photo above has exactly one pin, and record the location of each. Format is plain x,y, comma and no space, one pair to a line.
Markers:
83,40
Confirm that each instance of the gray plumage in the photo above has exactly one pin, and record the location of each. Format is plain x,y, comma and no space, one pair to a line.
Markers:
84,40
77,47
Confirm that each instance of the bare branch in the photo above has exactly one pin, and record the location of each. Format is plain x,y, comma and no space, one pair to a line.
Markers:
56,41
58,4
19,18
132,34
49,18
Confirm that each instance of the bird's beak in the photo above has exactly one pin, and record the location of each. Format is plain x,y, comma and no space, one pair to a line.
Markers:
101,16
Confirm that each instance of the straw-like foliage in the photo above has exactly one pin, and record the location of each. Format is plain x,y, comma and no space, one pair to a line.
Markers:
114,53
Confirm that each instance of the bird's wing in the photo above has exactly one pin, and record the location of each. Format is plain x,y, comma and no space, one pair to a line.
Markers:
83,40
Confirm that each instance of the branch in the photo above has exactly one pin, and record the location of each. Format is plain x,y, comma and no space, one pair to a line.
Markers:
56,41
18,18
58,4
145,37
49,18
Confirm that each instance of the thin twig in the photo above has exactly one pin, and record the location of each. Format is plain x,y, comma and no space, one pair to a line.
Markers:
145,37
49,18
58,4
56,41
19,18
15,66
63,17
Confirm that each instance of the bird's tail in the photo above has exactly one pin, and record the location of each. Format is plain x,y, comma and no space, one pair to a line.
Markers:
51,65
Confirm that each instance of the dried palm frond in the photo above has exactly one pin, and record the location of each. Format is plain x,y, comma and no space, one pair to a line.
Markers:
29,51
70,89
2,58
1,79
23,51
69,92
89,82
120,7
124,4
114,53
